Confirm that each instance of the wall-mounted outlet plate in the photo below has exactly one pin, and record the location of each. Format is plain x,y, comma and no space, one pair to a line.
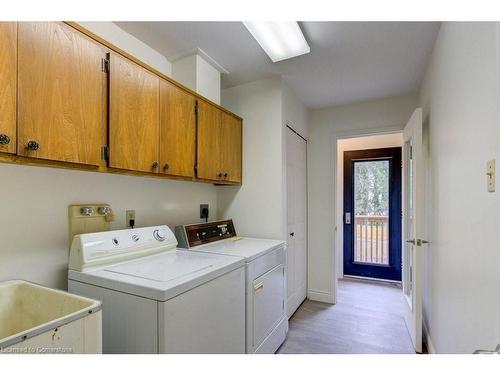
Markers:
202,208
129,215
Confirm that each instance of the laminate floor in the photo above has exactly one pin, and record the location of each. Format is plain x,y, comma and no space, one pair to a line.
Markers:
368,318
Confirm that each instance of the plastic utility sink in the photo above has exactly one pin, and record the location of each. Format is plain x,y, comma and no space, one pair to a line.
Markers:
38,319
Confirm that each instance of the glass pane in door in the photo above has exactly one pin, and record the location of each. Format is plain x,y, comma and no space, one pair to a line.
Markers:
371,212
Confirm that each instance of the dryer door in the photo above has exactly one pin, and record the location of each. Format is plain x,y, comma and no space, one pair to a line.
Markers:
268,303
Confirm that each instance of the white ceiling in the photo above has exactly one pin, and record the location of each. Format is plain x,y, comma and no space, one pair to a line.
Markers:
349,61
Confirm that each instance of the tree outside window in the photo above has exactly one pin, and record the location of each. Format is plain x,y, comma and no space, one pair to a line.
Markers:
371,188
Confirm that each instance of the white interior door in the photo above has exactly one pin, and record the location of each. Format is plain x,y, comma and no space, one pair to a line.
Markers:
413,207
297,220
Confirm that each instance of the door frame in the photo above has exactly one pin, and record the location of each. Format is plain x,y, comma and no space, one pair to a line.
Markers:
393,156
336,206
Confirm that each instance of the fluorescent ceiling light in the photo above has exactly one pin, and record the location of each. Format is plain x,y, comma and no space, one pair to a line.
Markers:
280,40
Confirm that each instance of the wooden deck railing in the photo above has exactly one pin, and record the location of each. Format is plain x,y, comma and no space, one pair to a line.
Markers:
371,239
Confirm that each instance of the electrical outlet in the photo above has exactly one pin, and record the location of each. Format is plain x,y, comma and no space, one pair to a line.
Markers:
204,207
490,173
129,215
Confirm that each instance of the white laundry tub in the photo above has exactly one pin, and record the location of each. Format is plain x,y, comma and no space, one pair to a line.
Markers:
36,319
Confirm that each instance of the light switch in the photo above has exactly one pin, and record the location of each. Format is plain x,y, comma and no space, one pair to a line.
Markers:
490,174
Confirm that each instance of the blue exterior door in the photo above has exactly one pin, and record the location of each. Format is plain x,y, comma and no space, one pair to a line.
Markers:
372,213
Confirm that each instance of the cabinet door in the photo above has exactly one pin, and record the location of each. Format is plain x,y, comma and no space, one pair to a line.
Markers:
134,120
8,86
177,131
209,127
230,149
62,94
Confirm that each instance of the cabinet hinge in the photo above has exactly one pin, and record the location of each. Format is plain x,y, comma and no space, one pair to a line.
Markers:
105,152
411,152
105,65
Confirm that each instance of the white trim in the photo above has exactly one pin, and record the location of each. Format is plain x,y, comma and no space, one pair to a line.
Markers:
201,53
427,339
320,296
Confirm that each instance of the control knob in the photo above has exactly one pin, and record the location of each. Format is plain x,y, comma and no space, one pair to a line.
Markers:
159,235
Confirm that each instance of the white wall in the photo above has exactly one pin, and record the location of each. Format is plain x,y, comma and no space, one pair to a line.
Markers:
130,44
460,96
352,144
325,127
208,80
295,113
257,206
184,71
33,220
199,75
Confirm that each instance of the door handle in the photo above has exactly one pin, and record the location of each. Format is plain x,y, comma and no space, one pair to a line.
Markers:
292,234
348,218
418,242
258,287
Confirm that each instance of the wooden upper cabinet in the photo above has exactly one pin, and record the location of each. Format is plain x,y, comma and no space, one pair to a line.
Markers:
230,148
177,131
219,144
134,130
62,94
208,161
8,86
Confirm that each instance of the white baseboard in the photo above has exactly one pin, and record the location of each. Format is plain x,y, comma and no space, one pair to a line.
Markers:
427,339
316,295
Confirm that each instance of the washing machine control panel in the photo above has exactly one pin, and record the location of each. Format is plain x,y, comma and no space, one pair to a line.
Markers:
91,248
199,234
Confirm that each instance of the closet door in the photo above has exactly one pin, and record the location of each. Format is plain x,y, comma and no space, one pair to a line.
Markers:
134,120
177,131
297,220
8,86
62,94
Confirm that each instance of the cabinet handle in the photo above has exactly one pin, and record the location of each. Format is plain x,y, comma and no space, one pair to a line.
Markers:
4,139
166,167
225,175
32,145
155,165
219,175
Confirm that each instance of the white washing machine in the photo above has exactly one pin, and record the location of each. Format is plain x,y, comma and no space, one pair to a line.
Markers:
157,299
266,321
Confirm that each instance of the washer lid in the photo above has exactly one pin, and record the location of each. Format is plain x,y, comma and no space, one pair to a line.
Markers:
160,276
167,267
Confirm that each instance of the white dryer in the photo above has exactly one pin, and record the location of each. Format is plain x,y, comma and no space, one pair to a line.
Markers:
157,299
266,320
